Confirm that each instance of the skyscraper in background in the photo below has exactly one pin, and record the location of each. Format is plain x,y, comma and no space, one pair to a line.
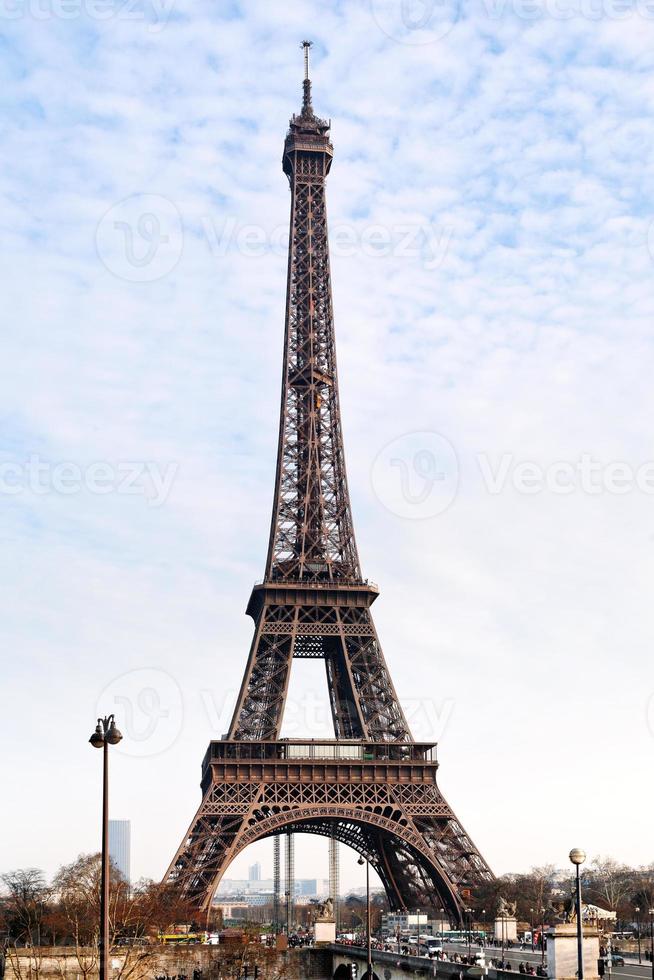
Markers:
119,845
254,872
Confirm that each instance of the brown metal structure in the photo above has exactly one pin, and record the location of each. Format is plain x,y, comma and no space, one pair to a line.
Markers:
372,787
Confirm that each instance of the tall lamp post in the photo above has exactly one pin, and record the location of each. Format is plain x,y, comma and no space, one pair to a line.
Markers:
542,937
577,857
469,924
531,927
651,939
637,911
363,860
443,928
105,734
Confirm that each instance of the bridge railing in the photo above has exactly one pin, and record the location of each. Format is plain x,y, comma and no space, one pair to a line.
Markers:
323,749
422,965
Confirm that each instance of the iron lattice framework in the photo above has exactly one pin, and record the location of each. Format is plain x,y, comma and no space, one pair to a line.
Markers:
314,603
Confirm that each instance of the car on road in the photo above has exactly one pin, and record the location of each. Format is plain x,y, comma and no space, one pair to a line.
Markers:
615,959
430,948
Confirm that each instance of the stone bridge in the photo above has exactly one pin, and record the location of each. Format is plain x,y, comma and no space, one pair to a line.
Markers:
394,966
330,962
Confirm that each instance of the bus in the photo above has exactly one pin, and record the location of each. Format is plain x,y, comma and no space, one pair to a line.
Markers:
462,935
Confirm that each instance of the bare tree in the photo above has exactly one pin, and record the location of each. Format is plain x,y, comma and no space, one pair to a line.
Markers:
25,904
77,888
609,883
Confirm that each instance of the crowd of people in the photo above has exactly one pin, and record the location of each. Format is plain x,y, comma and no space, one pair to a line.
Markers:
471,958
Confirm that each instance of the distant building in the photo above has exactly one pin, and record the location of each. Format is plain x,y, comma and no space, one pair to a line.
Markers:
393,923
306,886
119,846
242,886
235,887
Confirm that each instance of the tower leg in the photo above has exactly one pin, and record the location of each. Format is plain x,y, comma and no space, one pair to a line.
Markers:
276,923
333,878
290,882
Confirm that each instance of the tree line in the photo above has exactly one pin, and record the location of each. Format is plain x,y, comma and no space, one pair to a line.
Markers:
66,911
616,887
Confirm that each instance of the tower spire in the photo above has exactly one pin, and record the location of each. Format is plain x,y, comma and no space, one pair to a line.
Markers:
307,107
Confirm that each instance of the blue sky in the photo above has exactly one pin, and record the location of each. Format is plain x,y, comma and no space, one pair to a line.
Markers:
490,214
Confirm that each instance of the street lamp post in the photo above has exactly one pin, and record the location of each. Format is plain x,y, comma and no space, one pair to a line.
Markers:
577,856
418,930
531,927
637,911
469,923
363,860
105,734
442,929
651,939
483,926
542,938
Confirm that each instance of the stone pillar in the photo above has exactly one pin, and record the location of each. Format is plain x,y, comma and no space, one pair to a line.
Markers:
562,951
324,931
506,928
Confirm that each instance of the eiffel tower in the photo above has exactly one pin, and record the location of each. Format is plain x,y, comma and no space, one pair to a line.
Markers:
372,787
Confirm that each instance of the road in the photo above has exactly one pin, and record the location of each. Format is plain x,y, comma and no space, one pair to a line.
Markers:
630,971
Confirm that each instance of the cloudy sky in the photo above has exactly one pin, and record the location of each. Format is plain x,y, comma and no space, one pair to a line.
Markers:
490,212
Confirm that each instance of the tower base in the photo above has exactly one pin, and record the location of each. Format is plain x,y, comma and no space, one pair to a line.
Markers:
380,798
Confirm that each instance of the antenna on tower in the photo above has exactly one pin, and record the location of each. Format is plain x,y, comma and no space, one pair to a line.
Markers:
307,108
307,45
